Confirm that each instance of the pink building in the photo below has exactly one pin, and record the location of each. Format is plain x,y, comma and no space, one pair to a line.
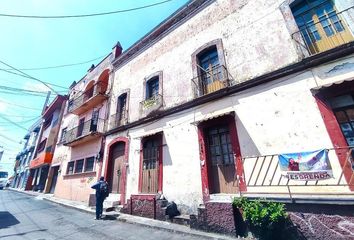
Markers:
79,152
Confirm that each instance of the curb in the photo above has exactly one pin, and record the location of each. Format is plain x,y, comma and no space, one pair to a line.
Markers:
170,227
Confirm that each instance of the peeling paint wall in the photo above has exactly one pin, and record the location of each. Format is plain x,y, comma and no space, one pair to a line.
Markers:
254,35
277,117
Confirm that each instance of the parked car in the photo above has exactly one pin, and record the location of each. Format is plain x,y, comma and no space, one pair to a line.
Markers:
3,179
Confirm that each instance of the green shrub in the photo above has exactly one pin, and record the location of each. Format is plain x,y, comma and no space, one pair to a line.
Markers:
262,216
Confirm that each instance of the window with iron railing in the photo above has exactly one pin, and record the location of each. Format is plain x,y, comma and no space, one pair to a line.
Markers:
320,25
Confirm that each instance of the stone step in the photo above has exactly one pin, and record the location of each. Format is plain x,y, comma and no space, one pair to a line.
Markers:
182,220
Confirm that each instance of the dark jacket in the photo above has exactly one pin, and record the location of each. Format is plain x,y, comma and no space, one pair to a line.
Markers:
97,187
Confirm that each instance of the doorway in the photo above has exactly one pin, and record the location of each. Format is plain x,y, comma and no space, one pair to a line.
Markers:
151,164
221,163
117,158
54,179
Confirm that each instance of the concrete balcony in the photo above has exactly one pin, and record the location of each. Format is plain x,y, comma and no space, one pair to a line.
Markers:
87,131
118,119
87,100
151,105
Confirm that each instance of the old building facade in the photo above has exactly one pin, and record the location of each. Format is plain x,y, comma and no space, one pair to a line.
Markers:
24,157
202,106
40,165
77,159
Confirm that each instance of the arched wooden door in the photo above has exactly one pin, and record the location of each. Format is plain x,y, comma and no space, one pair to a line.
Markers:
116,167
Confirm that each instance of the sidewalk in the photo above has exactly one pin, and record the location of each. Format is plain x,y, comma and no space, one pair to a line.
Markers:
147,222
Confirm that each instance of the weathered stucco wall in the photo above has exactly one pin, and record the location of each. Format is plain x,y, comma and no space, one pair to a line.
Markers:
278,117
77,187
254,36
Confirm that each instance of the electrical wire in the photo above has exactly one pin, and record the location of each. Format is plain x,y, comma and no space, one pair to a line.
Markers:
29,76
21,75
13,123
21,106
7,138
22,122
84,15
58,66
21,90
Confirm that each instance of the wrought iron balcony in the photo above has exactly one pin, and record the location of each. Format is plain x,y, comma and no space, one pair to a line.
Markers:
118,119
329,31
150,105
216,78
88,99
84,132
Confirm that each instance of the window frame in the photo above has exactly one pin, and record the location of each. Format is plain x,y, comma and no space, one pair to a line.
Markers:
159,76
68,168
85,164
76,164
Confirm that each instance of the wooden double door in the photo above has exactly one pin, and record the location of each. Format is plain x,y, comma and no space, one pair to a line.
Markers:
117,164
151,164
221,160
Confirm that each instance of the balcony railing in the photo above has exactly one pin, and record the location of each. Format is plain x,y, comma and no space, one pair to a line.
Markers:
150,105
328,32
118,119
89,98
213,80
88,128
262,175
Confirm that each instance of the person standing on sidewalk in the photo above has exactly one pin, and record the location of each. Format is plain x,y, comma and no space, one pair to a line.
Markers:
101,188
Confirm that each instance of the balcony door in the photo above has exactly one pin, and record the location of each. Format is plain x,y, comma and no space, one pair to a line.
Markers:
321,26
210,70
80,128
94,121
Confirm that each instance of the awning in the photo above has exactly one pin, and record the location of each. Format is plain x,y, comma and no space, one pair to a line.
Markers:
332,84
207,118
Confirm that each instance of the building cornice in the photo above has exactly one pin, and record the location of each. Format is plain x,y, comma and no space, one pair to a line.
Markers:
176,19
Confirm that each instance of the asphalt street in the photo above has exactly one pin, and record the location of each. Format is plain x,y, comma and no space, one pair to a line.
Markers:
27,217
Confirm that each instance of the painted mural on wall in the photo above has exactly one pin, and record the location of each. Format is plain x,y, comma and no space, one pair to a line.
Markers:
306,166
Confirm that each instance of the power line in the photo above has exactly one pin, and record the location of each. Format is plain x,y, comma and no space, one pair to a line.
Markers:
14,123
60,66
21,90
84,15
8,65
21,75
24,121
13,104
7,138
20,116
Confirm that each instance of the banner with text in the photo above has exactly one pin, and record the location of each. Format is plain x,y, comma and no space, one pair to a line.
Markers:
306,166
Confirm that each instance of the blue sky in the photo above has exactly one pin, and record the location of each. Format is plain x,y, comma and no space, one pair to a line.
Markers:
31,43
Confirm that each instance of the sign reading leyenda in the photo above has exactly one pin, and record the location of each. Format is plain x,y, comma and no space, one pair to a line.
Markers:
306,166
